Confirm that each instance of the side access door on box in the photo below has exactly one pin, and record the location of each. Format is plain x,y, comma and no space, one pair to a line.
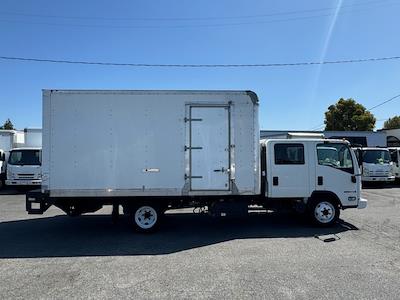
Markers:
209,147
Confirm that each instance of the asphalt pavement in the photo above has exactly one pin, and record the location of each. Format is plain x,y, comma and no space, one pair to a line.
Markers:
54,256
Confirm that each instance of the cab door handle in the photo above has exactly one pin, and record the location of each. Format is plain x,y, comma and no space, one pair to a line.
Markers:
275,180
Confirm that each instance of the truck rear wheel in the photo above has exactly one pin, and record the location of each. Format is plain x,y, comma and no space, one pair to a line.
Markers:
146,218
324,212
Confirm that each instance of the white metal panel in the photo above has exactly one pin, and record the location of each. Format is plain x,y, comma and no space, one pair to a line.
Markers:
33,137
293,179
101,142
210,145
6,142
46,142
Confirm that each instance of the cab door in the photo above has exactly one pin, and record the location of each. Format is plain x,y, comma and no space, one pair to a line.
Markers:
289,175
337,171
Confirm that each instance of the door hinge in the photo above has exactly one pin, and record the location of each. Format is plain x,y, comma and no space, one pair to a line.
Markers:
191,148
190,177
192,119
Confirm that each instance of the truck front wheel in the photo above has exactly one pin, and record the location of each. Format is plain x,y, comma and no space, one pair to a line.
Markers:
146,218
324,212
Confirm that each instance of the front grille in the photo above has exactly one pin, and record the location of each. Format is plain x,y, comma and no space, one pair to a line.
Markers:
380,173
25,176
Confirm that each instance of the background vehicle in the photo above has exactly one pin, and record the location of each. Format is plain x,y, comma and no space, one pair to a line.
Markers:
8,139
376,165
150,151
33,137
395,157
24,167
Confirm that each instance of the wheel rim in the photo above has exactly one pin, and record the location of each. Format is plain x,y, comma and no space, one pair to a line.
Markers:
145,217
324,212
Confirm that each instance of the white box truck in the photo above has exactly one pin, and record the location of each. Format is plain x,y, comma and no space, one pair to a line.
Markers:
9,139
24,162
24,167
376,164
150,151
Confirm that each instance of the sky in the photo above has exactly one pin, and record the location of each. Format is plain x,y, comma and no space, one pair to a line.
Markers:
205,32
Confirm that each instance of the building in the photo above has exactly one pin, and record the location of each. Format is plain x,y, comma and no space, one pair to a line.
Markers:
392,137
363,138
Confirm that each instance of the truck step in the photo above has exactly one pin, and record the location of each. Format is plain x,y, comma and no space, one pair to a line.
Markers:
36,203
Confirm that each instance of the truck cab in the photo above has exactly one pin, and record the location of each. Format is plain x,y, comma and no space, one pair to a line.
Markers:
322,175
395,157
24,167
376,165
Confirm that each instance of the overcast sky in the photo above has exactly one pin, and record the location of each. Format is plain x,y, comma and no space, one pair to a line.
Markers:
205,32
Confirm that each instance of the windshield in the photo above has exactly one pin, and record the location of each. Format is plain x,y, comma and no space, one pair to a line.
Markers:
376,156
337,156
25,157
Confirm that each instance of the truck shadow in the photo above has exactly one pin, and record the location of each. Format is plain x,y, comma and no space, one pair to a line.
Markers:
380,185
10,190
94,235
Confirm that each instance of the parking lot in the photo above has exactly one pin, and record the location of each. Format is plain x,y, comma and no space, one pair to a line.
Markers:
194,256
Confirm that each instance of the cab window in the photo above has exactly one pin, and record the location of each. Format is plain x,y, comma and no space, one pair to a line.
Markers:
336,156
289,154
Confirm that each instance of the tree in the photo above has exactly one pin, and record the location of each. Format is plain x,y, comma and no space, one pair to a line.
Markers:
392,123
347,114
7,125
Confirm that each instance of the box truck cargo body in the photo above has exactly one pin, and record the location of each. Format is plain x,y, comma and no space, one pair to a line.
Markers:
150,151
33,137
143,143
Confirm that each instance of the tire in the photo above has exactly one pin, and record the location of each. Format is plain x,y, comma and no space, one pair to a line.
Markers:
324,212
146,218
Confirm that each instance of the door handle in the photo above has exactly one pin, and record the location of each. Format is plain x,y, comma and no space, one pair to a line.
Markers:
275,180
320,180
222,170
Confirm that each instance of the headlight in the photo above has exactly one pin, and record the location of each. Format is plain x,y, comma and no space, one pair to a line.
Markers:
10,174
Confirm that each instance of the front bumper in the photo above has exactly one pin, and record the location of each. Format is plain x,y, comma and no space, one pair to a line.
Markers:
362,203
376,178
24,182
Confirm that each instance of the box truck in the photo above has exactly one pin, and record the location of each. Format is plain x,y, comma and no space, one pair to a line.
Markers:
24,163
150,151
9,139
24,167
376,164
